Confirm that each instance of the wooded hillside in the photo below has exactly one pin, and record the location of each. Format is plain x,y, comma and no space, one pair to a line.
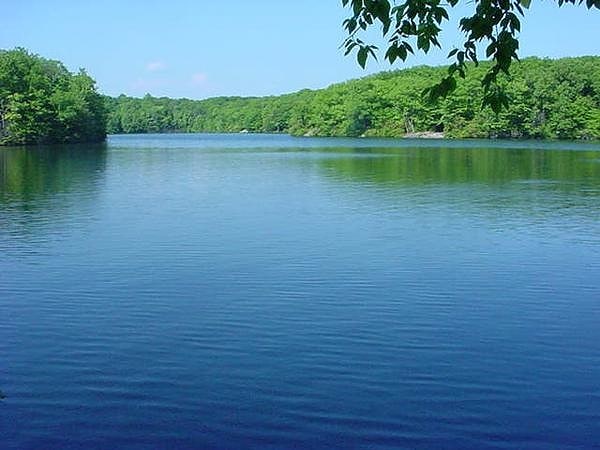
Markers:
555,99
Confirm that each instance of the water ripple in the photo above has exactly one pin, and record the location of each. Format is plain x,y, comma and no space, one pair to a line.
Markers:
308,294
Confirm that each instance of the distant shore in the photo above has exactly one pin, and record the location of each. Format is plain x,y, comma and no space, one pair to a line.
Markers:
425,135
545,104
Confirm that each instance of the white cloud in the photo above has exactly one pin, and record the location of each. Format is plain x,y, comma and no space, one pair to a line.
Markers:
199,79
155,66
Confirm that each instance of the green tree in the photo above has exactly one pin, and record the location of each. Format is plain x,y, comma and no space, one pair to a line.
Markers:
548,99
41,102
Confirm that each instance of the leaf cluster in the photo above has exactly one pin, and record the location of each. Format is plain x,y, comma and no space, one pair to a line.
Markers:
416,25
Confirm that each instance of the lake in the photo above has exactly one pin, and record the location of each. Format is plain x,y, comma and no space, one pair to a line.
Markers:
256,291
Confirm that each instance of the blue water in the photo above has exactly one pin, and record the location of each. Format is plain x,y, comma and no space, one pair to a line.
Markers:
242,291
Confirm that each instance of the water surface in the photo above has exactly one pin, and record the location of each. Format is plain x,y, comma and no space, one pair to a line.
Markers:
241,291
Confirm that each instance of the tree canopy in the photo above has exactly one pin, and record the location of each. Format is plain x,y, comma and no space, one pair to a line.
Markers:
555,99
41,102
415,25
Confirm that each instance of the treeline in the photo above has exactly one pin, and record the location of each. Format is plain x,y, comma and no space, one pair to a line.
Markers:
41,102
556,99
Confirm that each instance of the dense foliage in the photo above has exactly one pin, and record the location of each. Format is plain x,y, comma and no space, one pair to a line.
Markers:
42,102
548,99
410,26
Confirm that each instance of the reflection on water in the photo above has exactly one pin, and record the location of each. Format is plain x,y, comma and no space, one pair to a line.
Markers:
567,169
28,173
42,186
239,291
490,182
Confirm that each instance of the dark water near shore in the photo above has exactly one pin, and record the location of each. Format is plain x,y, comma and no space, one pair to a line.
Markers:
193,291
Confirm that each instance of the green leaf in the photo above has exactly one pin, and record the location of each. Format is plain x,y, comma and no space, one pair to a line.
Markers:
361,56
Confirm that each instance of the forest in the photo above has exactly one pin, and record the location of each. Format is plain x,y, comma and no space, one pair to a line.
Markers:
41,102
548,99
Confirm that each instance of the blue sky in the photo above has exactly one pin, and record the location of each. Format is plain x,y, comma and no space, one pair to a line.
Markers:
202,48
